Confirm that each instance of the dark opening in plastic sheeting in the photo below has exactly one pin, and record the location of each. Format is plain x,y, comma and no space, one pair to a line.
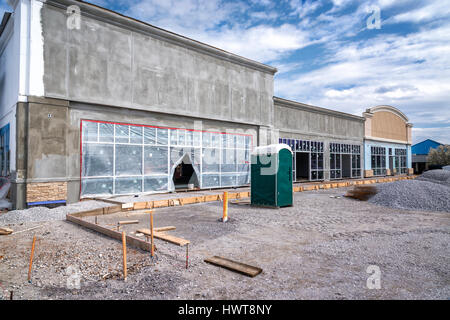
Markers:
130,159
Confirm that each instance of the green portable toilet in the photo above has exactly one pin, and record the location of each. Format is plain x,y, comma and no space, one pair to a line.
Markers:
271,176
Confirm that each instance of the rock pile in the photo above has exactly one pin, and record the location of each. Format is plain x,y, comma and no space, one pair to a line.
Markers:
429,192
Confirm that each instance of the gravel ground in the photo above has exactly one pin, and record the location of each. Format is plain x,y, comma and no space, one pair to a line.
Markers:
38,214
430,191
318,249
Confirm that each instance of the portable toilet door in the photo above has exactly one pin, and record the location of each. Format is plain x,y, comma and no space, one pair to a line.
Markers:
284,178
271,176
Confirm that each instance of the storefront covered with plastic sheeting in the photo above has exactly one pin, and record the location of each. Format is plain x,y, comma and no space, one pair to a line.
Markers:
119,159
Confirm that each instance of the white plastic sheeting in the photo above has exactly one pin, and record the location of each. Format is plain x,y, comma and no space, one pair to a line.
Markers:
130,159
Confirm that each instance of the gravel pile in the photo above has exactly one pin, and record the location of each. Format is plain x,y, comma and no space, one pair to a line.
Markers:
429,192
436,176
38,214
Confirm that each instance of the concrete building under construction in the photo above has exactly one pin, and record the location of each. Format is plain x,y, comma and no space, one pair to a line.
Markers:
106,105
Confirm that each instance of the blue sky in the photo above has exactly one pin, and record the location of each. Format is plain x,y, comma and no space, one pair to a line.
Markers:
324,51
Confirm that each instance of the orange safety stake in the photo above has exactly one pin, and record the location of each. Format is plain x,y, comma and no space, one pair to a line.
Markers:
124,251
225,207
31,259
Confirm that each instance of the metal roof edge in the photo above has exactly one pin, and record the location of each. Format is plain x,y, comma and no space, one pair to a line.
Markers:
307,107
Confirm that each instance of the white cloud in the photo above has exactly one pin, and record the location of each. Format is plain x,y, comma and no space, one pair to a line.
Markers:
410,72
433,10
304,8
261,43
185,15
438,134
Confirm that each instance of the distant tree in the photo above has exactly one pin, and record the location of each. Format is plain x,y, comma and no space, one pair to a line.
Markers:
440,156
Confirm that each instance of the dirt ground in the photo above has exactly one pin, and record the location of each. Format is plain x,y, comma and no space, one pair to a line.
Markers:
318,249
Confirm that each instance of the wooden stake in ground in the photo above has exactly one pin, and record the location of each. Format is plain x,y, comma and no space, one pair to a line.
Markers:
225,207
151,234
124,251
31,259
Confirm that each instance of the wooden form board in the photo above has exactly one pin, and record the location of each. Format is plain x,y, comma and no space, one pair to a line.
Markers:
132,241
162,229
98,212
166,237
239,267
128,222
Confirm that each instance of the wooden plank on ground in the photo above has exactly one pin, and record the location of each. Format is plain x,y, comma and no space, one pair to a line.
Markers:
131,241
162,229
172,239
239,267
166,237
128,222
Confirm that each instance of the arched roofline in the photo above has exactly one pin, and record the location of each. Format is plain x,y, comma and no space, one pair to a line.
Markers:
389,109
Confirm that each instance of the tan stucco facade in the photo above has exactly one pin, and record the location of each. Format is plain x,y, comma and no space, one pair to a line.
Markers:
387,123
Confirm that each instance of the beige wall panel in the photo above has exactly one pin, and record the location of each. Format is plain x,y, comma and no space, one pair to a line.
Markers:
388,126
